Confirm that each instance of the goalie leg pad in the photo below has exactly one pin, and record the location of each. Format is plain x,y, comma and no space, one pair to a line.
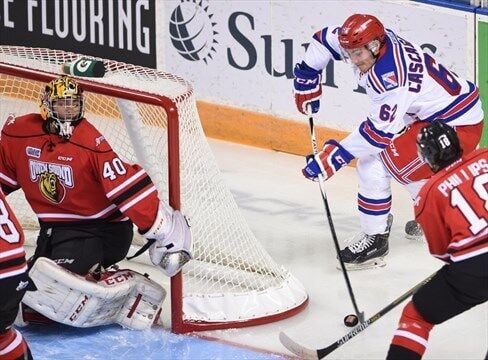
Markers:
123,296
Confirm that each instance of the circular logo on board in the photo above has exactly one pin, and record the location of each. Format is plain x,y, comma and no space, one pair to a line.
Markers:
192,31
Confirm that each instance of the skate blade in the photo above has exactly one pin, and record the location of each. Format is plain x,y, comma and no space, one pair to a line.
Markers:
417,238
370,264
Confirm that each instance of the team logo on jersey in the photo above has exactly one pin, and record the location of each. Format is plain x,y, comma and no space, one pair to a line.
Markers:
53,179
32,151
51,188
389,80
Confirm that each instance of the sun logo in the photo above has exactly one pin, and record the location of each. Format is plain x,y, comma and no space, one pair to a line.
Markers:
192,31
51,188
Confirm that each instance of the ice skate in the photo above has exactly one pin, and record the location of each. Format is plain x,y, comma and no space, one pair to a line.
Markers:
413,231
367,251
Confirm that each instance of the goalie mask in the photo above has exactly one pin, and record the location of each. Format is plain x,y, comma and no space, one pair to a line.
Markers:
438,145
62,106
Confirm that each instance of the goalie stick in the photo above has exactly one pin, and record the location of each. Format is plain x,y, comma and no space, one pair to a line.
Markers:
308,353
359,314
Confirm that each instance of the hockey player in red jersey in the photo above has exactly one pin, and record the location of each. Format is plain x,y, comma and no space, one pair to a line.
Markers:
85,196
408,88
14,282
452,208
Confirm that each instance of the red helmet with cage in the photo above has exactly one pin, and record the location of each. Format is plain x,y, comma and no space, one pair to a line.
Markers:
362,30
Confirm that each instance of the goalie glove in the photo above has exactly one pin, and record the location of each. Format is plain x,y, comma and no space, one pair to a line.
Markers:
327,162
308,88
173,246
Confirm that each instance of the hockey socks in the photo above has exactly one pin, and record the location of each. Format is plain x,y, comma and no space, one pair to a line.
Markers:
411,337
13,345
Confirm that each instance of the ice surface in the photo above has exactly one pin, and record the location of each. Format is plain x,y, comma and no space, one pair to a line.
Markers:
286,213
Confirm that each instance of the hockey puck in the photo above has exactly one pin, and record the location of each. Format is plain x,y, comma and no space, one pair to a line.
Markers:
351,320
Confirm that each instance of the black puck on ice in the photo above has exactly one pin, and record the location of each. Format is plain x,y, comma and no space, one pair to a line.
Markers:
351,320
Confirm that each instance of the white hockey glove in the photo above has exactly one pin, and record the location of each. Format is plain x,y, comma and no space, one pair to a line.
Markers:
124,297
173,246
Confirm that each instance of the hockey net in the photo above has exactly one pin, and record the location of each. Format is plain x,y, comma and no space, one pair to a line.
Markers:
150,117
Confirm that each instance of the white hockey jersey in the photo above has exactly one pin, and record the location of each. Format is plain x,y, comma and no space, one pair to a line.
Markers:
405,85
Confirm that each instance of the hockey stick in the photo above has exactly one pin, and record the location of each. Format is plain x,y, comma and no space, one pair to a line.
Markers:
315,150
307,353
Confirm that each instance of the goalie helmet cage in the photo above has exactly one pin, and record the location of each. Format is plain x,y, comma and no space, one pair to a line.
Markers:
150,117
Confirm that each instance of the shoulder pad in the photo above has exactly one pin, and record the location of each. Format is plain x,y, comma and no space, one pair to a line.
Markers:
390,70
419,202
25,125
87,136
327,37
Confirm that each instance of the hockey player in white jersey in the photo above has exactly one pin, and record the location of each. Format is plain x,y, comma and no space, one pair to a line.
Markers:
408,89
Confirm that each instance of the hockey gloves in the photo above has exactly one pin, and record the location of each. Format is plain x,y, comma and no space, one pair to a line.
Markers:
327,162
308,88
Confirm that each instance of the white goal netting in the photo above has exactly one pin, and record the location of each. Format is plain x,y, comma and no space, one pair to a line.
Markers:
232,279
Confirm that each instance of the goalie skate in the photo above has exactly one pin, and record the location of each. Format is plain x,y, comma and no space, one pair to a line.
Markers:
367,251
413,231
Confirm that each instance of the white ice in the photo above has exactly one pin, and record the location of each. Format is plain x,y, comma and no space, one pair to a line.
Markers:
286,213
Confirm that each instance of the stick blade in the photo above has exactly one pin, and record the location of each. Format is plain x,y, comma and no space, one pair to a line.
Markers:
296,348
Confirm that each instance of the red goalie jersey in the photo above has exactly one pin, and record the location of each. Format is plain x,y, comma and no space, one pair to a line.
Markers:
77,180
452,209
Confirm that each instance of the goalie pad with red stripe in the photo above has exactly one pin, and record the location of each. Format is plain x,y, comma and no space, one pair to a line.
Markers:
124,297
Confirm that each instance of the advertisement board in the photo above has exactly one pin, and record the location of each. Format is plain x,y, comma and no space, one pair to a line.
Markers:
241,53
112,29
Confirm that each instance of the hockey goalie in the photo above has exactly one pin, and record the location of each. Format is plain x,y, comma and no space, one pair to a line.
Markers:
87,201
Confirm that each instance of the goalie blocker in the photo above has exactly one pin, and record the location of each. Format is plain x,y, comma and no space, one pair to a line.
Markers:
170,245
124,297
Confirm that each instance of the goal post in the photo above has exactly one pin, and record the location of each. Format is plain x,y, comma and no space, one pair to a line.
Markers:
150,117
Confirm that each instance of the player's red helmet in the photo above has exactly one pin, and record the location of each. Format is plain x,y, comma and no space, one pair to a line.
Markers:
362,30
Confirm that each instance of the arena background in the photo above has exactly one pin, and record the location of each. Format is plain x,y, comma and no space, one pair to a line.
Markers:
240,54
